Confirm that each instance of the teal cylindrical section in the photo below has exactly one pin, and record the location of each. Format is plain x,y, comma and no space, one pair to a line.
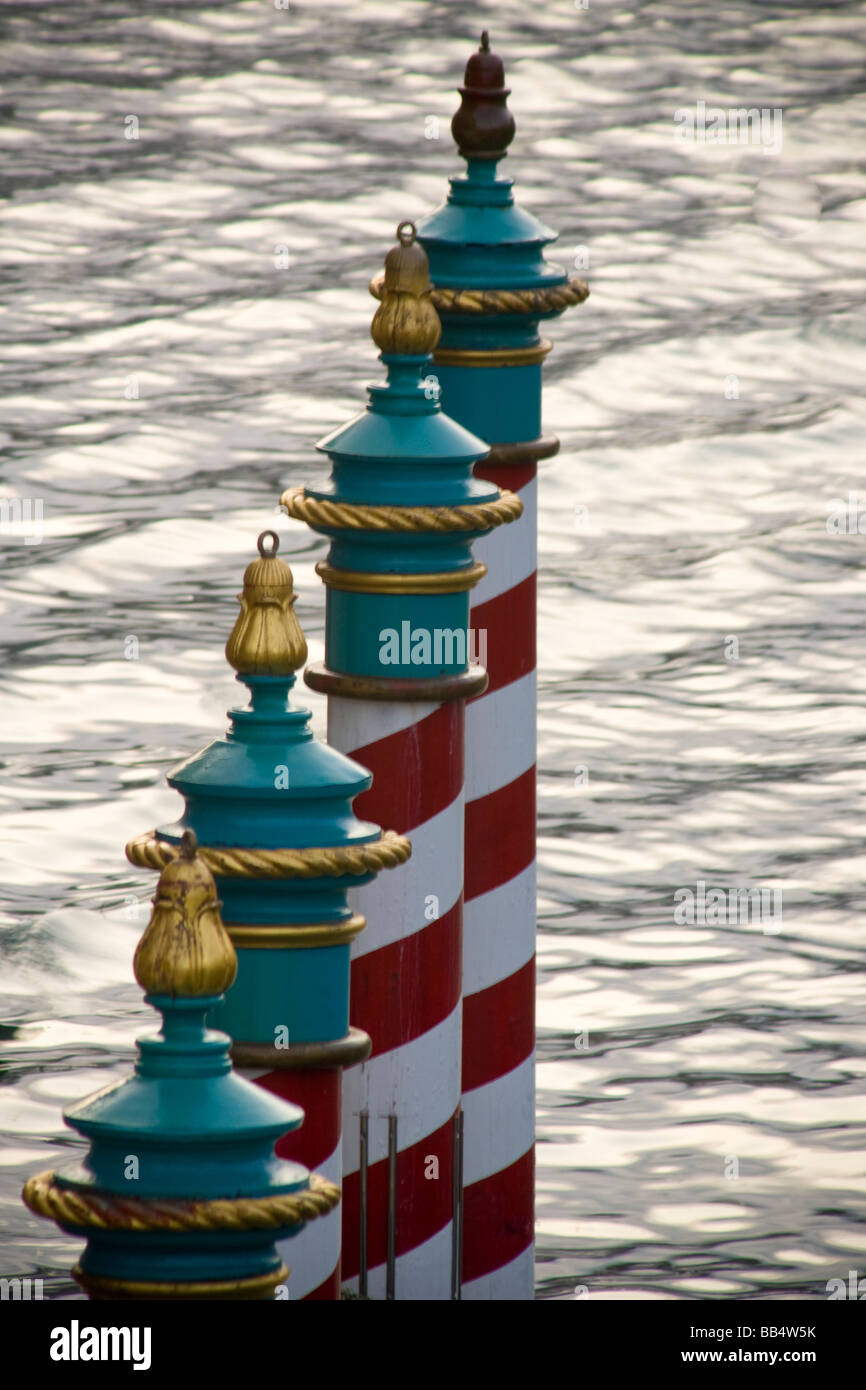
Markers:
481,240
289,996
205,1257
398,635
269,785
501,404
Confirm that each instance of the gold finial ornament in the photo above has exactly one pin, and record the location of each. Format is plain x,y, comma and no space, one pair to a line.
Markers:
406,322
186,951
267,639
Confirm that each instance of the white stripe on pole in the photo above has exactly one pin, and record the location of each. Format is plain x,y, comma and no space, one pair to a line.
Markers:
355,723
489,953
421,1273
501,1119
314,1253
394,903
422,1078
500,741
511,1282
509,552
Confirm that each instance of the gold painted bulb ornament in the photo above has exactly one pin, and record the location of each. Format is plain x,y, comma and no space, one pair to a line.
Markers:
406,323
186,952
267,639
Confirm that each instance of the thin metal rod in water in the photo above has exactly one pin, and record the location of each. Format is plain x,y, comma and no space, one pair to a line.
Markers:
390,1268
457,1208
364,1119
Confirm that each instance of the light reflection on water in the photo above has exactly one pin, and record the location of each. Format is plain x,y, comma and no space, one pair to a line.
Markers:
163,381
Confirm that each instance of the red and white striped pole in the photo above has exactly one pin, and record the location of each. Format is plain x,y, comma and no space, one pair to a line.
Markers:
313,1261
492,287
402,510
498,1086
402,1106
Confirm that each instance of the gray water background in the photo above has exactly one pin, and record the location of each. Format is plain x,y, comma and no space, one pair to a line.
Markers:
163,381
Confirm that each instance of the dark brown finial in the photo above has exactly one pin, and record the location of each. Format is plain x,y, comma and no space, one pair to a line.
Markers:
483,126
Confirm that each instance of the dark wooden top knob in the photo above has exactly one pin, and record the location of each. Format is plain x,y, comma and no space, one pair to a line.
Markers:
483,127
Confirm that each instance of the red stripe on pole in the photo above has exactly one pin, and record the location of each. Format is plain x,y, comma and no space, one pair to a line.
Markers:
417,772
500,835
509,622
423,1201
498,1027
319,1094
330,1290
498,1218
406,988
513,479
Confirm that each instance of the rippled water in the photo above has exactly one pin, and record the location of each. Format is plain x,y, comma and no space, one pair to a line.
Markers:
163,380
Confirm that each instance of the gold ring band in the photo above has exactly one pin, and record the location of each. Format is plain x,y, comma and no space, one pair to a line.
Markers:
355,1047
259,1286
289,935
364,582
492,357
434,690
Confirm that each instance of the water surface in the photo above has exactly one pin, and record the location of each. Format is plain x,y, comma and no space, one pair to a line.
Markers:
164,377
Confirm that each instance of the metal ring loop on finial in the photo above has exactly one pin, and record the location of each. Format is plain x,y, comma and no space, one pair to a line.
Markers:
188,844
406,233
275,544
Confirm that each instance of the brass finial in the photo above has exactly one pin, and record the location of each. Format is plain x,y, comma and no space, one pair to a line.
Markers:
406,322
186,951
267,639
483,126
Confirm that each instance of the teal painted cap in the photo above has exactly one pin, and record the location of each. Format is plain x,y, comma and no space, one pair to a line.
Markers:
268,783
184,1125
480,238
403,450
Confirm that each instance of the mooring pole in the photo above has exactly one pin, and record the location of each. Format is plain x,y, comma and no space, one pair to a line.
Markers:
492,288
272,809
181,1195
402,509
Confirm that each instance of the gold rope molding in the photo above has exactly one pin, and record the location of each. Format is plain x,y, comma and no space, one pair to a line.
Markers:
546,300
149,852
108,1212
476,516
